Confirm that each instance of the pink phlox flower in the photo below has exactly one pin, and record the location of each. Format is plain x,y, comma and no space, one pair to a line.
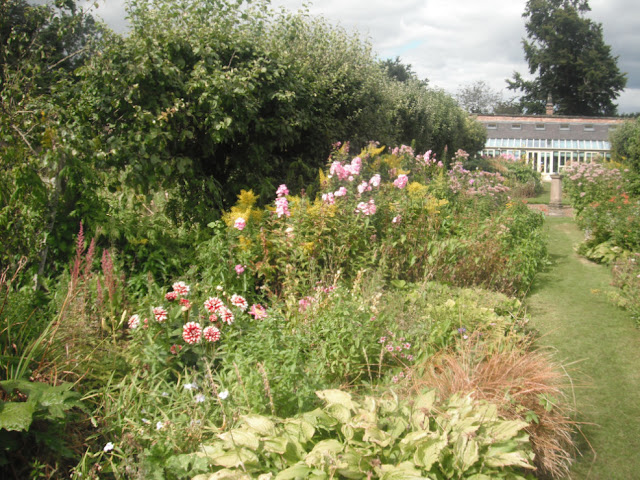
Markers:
160,313
226,315
337,169
239,302
239,269
282,207
401,181
258,311
213,317
191,332
341,192
181,288
372,207
328,198
354,167
240,223
282,190
211,334
375,180
213,304
363,187
134,321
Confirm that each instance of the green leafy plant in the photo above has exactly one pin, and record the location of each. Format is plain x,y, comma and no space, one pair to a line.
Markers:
377,437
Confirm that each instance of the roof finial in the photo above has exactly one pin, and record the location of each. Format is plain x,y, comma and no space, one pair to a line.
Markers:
549,106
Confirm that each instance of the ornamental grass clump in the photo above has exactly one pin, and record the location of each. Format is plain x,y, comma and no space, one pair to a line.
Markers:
524,384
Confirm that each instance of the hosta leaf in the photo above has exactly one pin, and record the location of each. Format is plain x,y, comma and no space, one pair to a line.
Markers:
421,410
240,438
339,412
499,458
326,449
275,445
428,451
297,470
233,458
402,471
299,429
412,439
319,418
377,436
338,397
224,474
16,416
505,430
466,452
259,424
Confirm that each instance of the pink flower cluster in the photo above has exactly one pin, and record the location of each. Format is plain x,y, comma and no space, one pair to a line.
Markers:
282,191
347,171
305,303
330,198
404,149
282,207
401,181
366,208
240,223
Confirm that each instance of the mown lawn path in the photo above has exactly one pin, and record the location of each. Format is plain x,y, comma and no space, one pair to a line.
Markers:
569,307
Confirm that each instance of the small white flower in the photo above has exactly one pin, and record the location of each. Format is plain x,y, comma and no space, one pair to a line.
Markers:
159,425
190,386
219,288
108,447
144,420
223,394
199,398
165,394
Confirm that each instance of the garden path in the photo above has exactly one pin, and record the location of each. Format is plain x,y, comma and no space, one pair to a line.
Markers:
568,305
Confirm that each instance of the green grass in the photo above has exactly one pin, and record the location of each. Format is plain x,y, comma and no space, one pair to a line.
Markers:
570,309
544,197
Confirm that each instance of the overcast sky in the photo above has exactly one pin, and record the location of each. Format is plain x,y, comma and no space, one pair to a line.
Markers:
457,42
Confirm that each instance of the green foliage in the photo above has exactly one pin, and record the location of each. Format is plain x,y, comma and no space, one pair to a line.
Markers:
33,418
625,146
573,64
378,437
626,277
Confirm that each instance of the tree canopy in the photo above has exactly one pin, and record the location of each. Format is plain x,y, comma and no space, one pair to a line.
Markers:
567,53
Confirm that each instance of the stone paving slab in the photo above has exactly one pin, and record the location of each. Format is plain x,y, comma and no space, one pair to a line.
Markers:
549,211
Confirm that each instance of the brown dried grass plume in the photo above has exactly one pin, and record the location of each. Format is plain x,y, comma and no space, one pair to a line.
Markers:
523,383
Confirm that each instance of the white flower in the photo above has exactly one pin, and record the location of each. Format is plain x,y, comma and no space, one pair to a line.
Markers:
159,425
190,386
165,394
200,398
144,420
223,394
108,447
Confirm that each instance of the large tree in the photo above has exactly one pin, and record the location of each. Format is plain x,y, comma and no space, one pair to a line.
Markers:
566,51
